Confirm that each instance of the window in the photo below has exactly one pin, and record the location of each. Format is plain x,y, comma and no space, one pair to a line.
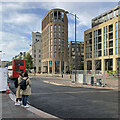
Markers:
59,34
63,28
116,51
116,42
59,48
62,17
116,34
55,48
55,16
55,41
59,41
119,24
113,13
51,41
39,61
59,27
110,35
51,16
51,54
59,16
119,43
55,27
54,34
51,48
119,33
50,63
110,27
51,28
116,26
110,51
55,55
106,29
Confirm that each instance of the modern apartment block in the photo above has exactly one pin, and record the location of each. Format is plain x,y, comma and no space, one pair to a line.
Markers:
55,42
79,55
36,50
102,42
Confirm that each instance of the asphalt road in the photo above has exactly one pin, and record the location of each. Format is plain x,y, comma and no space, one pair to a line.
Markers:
71,102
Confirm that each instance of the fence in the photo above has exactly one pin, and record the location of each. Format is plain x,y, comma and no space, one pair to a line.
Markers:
89,77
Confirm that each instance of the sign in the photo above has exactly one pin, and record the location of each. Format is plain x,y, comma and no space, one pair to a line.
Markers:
3,79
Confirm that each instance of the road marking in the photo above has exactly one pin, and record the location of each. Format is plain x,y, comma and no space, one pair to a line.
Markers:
69,92
52,83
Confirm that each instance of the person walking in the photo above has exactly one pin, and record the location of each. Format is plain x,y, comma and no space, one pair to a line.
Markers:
25,89
18,95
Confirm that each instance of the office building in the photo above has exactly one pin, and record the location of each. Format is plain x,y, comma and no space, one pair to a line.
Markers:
79,55
36,51
55,42
102,42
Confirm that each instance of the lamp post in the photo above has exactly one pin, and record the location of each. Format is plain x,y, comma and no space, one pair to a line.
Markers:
75,41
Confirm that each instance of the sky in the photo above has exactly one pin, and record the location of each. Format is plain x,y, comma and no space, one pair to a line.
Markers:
19,19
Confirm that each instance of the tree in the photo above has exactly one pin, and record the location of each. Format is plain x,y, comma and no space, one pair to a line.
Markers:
71,65
29,62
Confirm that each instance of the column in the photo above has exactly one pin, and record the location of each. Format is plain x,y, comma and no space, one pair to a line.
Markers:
48,68
114,64
93,66
53,67
103,66
60,67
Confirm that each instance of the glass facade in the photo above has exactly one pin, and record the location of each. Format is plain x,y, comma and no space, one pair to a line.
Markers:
57,67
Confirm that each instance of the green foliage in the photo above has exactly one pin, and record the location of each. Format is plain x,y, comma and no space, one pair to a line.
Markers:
29,62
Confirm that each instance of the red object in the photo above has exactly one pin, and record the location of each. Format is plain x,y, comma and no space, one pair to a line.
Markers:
8,90
18,65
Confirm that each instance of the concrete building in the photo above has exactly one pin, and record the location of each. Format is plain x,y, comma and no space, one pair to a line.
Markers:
79,55
102,42
36,51
55,42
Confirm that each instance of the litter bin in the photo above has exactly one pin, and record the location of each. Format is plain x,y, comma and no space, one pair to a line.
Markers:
92,81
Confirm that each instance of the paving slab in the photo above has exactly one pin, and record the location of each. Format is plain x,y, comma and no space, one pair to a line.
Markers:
9,110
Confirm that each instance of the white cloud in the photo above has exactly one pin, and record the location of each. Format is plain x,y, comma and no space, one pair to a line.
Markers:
18,22
13,44
21,19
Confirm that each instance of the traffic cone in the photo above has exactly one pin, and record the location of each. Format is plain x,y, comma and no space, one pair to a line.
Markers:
8,90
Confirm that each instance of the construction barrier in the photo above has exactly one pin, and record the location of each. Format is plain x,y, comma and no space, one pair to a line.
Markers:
4,86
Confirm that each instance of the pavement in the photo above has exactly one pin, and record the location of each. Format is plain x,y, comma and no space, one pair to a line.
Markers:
12,112
68,82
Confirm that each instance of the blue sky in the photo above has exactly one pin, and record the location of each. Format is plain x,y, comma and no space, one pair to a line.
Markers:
19,19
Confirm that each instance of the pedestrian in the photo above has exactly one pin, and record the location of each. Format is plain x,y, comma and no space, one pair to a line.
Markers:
25,89
18,95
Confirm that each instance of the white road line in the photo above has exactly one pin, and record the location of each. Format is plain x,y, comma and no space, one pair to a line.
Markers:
70,92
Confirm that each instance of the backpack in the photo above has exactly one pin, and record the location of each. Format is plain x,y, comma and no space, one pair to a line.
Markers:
23,84
16,83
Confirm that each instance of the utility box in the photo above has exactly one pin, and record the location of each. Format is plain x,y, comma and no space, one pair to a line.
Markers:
3,79
88,79
81,78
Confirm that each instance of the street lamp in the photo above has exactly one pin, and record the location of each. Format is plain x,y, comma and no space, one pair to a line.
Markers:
75,40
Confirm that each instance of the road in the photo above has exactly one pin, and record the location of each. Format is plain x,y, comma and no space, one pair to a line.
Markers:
72,102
